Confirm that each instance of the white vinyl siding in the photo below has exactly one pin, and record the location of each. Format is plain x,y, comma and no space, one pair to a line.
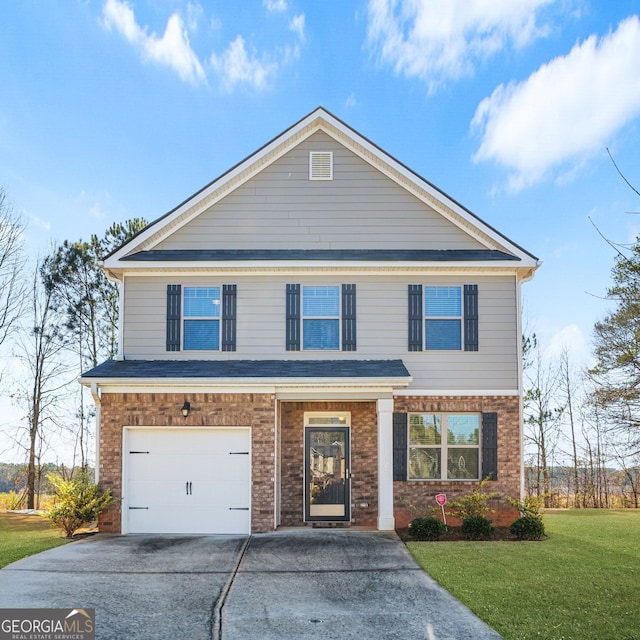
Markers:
280,208
380,335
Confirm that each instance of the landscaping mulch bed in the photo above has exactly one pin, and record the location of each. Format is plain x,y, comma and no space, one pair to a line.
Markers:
454,534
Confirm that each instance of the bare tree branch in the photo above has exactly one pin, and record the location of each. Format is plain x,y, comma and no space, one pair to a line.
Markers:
12,261
622,174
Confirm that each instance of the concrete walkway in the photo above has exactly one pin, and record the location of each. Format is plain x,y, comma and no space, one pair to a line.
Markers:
296,584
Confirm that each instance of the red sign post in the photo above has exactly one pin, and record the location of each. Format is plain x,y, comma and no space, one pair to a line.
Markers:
441,499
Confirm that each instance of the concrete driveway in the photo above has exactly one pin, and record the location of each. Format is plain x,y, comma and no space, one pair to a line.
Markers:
295,584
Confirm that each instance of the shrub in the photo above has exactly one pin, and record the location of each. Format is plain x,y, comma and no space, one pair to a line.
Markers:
474,504
417,511
477,528
12,500
429,528
77,502
530,506
528,528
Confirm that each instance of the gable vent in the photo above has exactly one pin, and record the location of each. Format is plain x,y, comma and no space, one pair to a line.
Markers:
321,165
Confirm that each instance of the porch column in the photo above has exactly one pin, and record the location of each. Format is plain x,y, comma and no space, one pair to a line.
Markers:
386,520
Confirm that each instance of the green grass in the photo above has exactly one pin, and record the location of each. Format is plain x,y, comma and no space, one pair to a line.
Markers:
23,535
580,584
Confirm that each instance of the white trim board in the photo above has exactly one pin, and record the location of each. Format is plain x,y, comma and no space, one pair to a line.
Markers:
456,392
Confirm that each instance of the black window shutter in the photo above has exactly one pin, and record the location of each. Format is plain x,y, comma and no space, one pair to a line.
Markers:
293,317
229,292
174,303
348,317
415,317
490,445
470,317
400,452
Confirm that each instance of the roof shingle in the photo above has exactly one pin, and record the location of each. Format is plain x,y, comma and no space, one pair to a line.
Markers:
265,369
368,255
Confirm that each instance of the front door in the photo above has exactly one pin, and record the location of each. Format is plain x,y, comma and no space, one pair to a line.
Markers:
327,474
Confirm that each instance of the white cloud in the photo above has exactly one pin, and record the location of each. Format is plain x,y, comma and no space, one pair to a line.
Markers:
570,339
351,101
297,26
38,222
120,15
172,49
95,211
565,111
237,66
275,5
194,13
444,39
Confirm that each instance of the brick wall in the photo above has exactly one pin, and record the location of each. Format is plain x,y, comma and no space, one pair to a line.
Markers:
257,411
421,493
364,460
207,410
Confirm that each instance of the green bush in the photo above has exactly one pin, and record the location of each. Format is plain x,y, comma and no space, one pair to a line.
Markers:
528,528
77,502
530,506
477,528
474,504
429,528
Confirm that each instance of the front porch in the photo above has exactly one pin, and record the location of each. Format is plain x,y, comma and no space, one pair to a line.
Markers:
354,482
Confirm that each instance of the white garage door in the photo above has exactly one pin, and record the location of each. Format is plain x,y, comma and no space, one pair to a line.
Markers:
187,480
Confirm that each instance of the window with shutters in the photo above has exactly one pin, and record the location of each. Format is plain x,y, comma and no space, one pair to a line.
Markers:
444,446
321,317
201,318
443,318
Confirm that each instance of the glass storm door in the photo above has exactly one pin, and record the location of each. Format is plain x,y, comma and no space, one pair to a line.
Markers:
327,474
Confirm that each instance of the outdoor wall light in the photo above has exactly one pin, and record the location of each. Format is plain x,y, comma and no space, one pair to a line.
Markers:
186,407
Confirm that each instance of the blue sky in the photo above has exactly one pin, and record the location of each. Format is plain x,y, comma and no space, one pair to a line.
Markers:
111,109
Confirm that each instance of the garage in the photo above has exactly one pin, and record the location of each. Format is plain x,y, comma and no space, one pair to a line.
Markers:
186,480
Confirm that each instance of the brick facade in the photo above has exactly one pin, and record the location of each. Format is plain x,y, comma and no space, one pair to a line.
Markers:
421,493
119,410
258,410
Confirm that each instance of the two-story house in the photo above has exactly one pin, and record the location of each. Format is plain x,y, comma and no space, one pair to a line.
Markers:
319,335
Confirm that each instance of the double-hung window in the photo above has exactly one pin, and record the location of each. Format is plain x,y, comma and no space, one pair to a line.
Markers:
444,446
201,318
321,317
443,318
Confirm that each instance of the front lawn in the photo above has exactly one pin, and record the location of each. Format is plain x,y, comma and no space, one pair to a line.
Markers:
23,535
580,584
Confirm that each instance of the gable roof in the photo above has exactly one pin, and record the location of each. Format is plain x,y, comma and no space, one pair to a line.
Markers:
141,246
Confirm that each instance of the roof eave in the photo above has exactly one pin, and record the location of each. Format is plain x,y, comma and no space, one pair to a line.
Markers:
131,267
276,382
